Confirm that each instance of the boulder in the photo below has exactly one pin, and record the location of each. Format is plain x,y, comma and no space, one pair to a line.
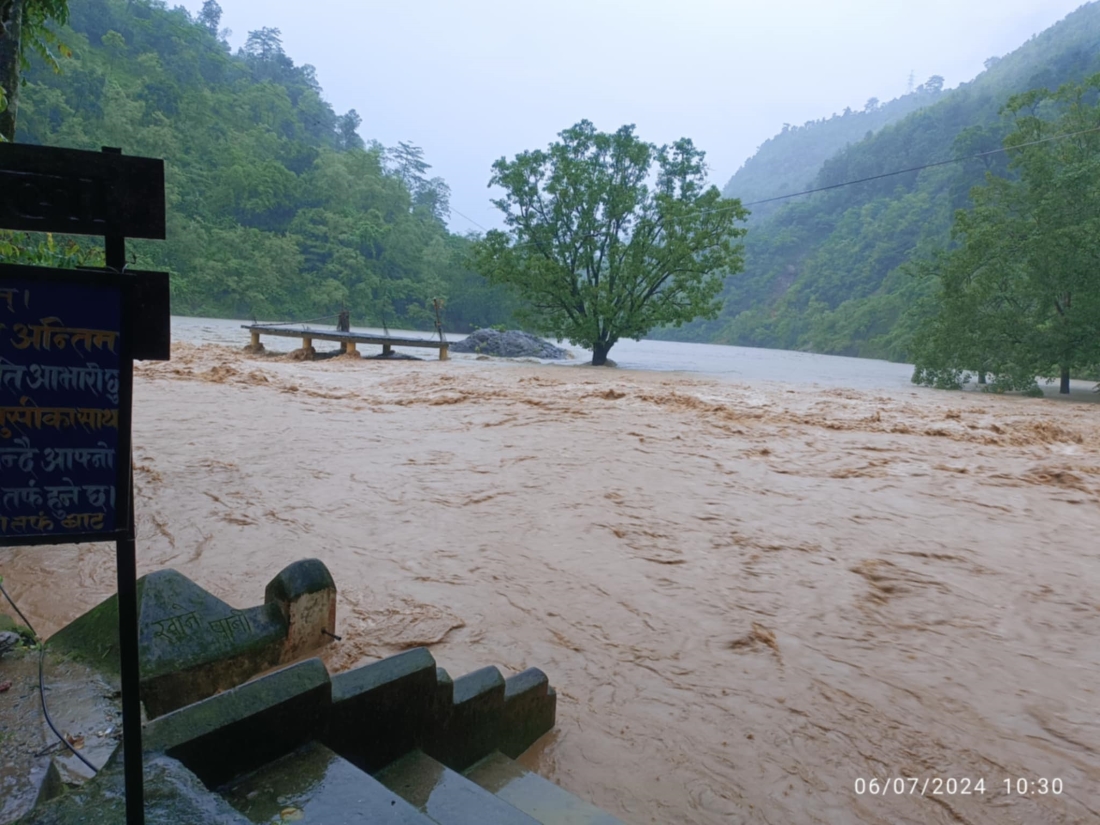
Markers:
510,344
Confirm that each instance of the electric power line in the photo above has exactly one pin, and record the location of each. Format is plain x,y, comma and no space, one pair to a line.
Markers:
719,209
467,217
231,57
924,166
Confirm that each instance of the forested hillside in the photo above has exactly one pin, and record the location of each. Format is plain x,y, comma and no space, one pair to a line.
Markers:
828,272
791,161
276,207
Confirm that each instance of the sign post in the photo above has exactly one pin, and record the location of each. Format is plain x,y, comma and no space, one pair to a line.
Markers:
68,340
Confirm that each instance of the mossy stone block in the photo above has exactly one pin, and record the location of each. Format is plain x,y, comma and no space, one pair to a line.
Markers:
530,707
382,710
474,725
299,579
191,644
248,726
305,595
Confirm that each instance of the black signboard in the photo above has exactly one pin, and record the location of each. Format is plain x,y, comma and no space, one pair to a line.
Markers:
68,339
46,189
65,383
151,319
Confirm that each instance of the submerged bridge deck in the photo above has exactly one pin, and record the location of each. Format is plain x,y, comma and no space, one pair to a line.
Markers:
350,340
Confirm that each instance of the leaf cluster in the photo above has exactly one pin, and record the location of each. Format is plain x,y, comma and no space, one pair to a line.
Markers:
276,207
609,236
831,272
1019,295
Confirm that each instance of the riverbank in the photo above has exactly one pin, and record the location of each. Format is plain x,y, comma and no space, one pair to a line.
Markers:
748,595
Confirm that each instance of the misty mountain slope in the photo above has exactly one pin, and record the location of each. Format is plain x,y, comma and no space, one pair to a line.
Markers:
824,273
791,161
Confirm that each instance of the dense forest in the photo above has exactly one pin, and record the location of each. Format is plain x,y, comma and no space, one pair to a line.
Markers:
276,207
831,272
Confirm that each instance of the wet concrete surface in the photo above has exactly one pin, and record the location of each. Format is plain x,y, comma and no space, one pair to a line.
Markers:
314,785
82,705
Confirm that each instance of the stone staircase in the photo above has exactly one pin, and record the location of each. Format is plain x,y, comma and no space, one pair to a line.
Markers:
317,785
396,741
539,798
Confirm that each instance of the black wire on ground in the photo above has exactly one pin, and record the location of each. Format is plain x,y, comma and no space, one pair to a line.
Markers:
42,682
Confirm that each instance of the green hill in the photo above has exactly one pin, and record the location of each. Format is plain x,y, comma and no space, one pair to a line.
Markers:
791,161
276,207
825,272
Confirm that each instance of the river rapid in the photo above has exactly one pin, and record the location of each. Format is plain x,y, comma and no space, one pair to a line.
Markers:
750,593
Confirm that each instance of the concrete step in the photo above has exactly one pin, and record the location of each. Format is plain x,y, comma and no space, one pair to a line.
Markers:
445,796
314,786
537,797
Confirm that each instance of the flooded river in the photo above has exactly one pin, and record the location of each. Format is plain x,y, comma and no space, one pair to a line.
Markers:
751,596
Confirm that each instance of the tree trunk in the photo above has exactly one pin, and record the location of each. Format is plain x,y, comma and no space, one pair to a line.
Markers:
1064,389
9,66
599,353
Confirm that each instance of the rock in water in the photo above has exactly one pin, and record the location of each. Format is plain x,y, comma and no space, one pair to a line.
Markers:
510,344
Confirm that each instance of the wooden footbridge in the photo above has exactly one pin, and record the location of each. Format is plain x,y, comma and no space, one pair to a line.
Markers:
349,340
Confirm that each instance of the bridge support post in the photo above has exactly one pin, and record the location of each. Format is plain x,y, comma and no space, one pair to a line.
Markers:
443,353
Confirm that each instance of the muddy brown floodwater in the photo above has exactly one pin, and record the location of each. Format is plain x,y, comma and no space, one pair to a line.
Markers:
748,597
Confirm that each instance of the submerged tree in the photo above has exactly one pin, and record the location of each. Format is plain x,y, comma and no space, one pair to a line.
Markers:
596,252
1020,295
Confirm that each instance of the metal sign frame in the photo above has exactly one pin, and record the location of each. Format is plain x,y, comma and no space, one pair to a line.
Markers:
123,285
71,191
75,192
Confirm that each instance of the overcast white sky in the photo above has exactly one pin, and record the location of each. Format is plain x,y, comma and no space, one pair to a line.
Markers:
472,80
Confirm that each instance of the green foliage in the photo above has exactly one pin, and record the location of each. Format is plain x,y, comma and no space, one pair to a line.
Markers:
46,250
276,207
25,29
38,37
1019,297
597,253
830,272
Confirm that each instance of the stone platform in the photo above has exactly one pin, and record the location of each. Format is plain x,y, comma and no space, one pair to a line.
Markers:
192,644
386,742
396,740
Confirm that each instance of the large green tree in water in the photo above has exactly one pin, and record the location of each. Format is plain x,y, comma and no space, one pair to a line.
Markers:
600,247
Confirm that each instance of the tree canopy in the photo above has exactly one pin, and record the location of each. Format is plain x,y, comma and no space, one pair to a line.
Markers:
277,207
598,253
829,272
1019,297
24,27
